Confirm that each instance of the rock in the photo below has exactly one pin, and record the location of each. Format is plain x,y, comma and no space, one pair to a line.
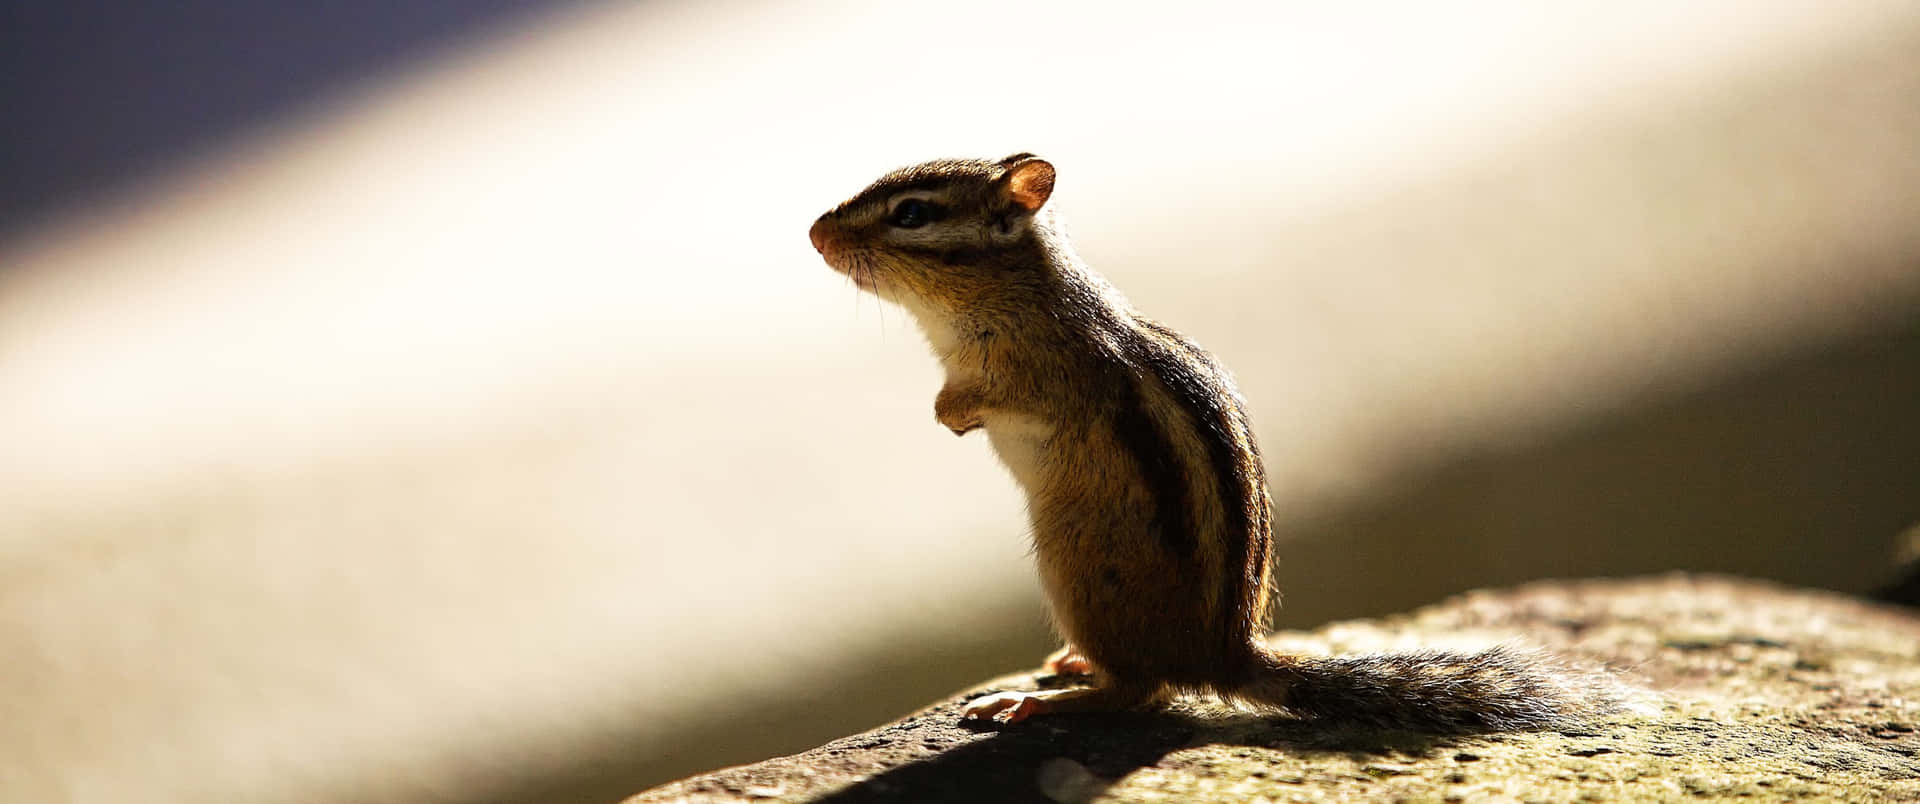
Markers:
1753,690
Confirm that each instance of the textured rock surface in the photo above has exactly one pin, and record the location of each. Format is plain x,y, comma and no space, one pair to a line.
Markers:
1753,691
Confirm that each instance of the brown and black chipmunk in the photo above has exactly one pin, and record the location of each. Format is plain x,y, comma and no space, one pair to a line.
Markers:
1146,490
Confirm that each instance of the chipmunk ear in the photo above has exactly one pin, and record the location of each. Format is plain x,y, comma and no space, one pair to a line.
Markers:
1028,181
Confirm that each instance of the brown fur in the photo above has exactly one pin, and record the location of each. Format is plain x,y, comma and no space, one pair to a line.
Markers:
1151,517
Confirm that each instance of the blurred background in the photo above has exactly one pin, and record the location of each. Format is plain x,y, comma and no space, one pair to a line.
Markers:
432,401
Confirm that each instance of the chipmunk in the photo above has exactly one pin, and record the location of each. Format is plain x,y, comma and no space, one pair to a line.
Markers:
1147,495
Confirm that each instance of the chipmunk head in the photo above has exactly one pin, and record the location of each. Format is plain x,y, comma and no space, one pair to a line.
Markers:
942,235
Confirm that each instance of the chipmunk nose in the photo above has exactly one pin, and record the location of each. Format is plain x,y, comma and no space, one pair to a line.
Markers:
818,234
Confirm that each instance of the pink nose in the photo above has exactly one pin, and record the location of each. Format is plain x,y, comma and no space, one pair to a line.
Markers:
818,234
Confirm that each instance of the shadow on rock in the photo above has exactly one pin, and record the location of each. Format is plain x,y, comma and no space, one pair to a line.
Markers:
1073,758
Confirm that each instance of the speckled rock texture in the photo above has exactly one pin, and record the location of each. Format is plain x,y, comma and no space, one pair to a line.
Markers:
1752,691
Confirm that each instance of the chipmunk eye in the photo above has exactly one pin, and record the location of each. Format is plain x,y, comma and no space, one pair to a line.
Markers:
914,213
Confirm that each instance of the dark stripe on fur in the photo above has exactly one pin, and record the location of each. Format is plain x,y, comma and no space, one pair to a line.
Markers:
1202,390
1153,453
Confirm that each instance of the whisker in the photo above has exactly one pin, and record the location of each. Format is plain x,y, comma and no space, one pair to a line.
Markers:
856,288
866,265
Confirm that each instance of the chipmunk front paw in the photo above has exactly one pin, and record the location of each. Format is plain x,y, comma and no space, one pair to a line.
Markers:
958,408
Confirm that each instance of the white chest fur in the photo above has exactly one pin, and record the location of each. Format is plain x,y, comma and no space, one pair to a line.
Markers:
1021,441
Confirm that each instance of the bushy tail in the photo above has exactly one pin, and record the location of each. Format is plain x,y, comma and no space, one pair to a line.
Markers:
1497,689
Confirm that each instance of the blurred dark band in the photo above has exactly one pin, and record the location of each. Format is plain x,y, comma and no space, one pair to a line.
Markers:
95,99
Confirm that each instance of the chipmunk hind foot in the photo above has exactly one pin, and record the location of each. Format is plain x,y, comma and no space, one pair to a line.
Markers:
1067,661
1014,707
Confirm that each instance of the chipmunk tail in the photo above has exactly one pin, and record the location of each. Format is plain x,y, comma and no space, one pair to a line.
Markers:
1502,688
